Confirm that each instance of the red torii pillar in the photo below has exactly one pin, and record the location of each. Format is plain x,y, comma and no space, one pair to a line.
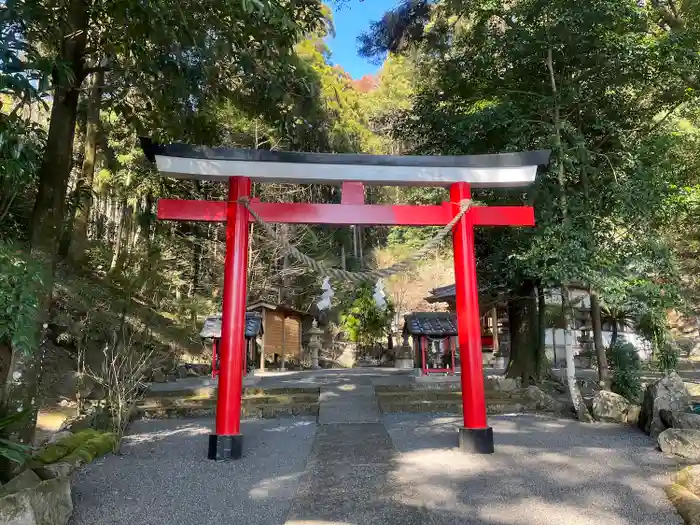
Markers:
226,443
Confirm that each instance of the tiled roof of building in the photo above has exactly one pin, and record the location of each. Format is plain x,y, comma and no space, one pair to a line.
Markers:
433,324
212,326
442,293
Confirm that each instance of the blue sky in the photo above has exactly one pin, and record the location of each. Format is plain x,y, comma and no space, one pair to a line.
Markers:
352,18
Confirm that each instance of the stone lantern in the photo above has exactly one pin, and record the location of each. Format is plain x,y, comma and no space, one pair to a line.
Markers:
315,334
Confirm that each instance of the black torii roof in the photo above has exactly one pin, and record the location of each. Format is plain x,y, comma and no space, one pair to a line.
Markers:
212,326
431,324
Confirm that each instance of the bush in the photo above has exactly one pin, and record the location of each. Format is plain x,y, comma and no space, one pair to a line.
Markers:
667,357
9,448
625,366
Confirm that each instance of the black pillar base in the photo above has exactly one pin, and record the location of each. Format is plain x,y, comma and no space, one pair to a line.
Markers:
476,440
225,448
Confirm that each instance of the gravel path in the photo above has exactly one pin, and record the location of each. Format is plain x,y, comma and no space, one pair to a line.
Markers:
399,469
544,472
164,476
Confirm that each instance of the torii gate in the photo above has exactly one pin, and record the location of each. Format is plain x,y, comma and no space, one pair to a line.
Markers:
239,167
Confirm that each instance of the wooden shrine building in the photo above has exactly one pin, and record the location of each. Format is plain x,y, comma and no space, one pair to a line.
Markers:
282,336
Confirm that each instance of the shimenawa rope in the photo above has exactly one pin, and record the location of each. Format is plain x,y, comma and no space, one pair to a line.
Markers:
369,275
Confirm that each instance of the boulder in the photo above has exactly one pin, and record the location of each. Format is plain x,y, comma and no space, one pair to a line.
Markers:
536,399
675,419
609,406
687,504
680,442
181,371
693,388
665,417
689,478
46,503
158,376
170,378
668,393
27,479
633,415
71,382
502,384
56,470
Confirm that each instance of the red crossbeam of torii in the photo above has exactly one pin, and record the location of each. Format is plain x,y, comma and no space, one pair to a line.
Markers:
351,171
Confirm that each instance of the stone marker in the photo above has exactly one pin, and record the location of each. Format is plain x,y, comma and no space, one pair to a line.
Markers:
667,393
609,406
684,443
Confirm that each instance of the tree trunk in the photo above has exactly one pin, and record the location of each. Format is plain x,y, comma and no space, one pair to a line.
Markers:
613,336
196,265
576,398
523,334
544,368
603,372
49,208
117,250
87,175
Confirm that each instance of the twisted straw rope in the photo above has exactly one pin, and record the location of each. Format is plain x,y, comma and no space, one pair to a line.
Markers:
369,275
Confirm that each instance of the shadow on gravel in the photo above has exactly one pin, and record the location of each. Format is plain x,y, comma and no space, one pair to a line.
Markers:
544,472
164,477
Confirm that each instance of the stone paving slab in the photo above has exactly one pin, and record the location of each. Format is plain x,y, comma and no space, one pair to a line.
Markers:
164,476
347,483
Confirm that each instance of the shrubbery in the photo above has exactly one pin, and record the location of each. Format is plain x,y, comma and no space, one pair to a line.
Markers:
625,367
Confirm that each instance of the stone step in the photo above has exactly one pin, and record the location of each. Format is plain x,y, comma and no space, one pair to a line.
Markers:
250,400
202,408
448,407
439,395
209,392
418,387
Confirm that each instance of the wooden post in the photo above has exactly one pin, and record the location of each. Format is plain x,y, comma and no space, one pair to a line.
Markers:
284,336
262,348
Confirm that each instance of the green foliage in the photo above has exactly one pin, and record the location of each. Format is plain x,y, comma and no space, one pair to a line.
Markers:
21,285
624,363
616,103
9,449
21,144
362,321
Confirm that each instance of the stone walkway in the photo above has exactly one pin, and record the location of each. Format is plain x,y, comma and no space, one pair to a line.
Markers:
345,480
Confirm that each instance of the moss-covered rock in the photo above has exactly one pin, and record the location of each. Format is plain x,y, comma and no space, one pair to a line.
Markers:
61,448
79,448
91,449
